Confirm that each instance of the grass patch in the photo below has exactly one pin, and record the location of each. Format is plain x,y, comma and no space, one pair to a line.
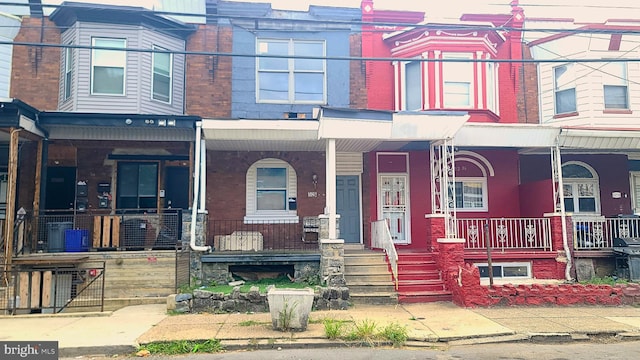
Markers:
607,280
263,284
183,347
333,328
395,333
250,323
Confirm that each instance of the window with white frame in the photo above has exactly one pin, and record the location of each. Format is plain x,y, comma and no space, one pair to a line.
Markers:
413,85
580,188
162,74
271,186
506,270
470,194
286,79
564,88
635,190
68,71
108,67
615,83
457,81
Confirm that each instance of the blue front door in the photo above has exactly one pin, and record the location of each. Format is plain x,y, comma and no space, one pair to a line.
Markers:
348,206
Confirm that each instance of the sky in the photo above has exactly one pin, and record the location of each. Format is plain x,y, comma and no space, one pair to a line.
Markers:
581,10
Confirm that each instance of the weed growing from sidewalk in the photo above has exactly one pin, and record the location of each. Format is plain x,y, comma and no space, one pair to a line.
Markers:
333,328
366,332
395,333
250,323
183,347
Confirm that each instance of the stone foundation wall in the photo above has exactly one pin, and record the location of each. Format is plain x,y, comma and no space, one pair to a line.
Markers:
218,273
253,301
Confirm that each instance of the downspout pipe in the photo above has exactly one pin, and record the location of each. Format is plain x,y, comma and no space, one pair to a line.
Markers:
196,192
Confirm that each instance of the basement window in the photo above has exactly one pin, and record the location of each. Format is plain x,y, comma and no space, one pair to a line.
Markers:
518,270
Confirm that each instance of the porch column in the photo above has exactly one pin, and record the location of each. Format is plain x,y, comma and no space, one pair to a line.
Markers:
330,199
12,171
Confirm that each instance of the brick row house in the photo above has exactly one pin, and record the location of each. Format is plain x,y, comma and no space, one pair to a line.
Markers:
348,146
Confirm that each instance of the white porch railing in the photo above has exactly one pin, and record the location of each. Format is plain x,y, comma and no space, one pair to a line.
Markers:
598,232
506,233
381,239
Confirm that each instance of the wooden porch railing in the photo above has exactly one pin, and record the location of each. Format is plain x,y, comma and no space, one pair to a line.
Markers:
381,239
55,232
506,233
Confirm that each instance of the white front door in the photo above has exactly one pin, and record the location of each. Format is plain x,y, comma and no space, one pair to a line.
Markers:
394,202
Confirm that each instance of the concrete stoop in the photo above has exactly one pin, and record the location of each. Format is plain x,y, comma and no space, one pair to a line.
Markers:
368,278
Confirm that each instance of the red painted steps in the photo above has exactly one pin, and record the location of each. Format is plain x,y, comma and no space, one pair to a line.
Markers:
419,279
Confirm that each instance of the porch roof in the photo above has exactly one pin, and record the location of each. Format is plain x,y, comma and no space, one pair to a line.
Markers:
598,139
507,135
18,114
354,130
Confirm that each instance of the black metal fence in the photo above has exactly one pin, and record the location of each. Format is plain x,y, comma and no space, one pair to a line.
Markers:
240,237
60,232
52,289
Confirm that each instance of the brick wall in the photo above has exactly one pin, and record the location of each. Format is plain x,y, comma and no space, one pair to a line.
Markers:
528,91
357,74
226,179
208,77
36,70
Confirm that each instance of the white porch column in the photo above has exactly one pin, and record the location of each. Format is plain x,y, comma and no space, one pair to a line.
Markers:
330,199
203,177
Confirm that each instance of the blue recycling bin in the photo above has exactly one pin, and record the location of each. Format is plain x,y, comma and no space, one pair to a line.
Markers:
76,240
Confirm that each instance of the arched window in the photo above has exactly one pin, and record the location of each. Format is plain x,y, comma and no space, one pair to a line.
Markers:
581,188
271,186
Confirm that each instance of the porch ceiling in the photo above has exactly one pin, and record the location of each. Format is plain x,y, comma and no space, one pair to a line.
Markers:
57,132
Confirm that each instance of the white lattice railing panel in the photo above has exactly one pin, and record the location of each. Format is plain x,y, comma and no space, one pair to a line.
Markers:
506,233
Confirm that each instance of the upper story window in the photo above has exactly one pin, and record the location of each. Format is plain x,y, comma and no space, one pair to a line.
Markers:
289,80
162,73
68,71
457,81
564,87
413,85
271,187
108,67
615,83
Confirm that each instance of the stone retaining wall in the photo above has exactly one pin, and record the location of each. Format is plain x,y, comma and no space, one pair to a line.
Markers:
200,301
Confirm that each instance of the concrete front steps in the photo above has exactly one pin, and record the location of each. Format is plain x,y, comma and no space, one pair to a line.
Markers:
368,277
419,279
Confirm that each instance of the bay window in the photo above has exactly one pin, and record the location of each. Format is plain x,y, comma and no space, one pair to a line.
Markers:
458,81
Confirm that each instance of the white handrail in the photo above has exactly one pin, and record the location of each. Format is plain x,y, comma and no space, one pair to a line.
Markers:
381,239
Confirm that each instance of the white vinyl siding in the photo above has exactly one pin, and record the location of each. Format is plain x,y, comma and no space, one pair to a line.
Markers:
289,80
348,163
269,213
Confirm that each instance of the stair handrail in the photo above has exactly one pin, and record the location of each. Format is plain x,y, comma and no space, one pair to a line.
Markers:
382,240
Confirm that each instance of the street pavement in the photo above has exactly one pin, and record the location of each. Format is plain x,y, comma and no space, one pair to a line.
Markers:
429,325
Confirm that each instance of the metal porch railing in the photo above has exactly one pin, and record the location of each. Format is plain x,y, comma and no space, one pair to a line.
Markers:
506,233
236,236
598,232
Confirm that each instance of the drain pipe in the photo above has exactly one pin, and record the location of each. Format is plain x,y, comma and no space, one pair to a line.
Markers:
196,192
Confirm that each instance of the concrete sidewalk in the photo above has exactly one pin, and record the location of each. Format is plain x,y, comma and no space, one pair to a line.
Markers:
429,324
